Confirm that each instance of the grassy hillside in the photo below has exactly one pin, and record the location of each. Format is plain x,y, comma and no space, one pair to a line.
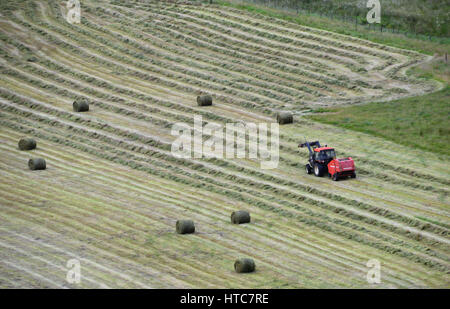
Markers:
421,122
113,191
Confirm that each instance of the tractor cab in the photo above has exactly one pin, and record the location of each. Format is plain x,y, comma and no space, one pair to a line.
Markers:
324,154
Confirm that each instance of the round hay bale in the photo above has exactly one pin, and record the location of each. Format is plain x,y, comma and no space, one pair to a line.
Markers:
32,59
285,117
204,100
80,106
185,227
37,164
239,217
27,143
244,265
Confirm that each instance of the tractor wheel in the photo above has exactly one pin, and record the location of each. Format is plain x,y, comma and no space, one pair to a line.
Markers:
318,170
308,169
353,175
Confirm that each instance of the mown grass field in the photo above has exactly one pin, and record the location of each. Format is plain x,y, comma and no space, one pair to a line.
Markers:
112,190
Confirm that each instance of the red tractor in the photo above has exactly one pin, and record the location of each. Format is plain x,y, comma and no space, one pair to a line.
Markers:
322,160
